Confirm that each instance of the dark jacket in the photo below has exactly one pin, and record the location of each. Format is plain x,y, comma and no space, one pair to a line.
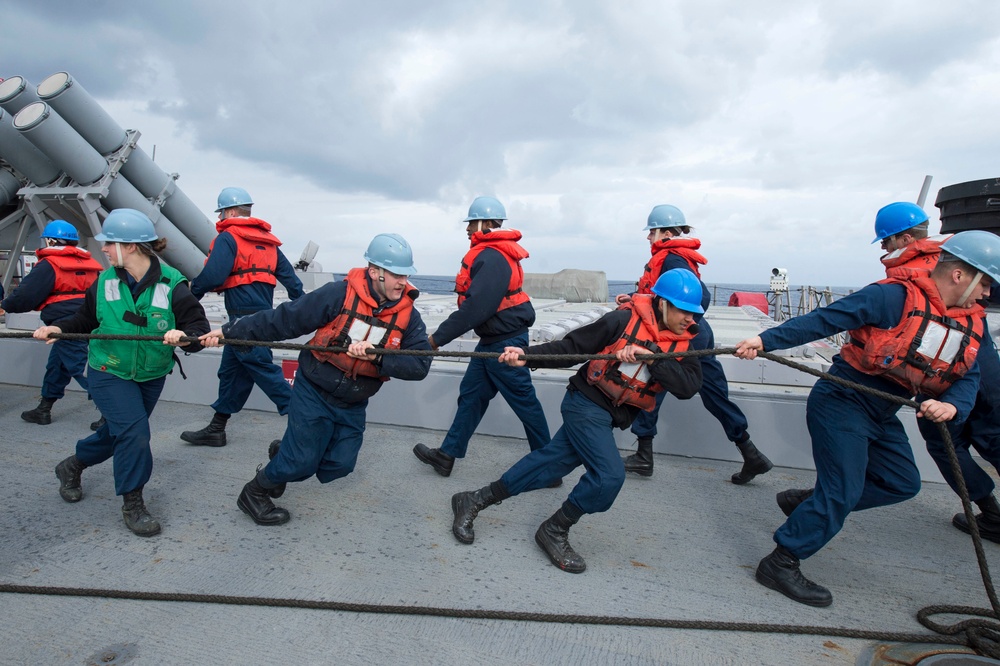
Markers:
490,274
311,312
248,298
681,378
35,287
879,305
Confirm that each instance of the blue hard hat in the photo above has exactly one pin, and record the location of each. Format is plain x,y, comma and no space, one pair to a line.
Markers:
391,252
486,208
665,216
61,230
230,197
126,225
979,249
897,218
682,288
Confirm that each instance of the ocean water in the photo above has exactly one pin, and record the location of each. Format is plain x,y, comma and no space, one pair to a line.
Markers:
445,284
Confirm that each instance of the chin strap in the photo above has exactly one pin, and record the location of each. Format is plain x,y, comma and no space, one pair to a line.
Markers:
972,285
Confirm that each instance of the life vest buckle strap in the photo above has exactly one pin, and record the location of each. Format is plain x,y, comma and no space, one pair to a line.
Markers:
135,319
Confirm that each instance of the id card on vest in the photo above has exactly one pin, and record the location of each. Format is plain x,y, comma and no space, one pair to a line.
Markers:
375,332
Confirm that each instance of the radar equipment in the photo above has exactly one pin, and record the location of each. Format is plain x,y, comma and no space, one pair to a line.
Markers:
308,255
778,298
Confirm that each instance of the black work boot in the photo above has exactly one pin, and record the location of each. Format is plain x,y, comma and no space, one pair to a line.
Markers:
641,462
136,516
68,473
466,506
96,425
780,572
214,434
436,458
988,521
272,450
789,499
553,537
256,503
754,463
42,415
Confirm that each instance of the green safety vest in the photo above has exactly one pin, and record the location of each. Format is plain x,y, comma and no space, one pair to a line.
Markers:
119,314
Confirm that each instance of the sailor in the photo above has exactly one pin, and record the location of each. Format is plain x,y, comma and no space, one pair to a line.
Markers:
909,336
671,248
138,296
902,229
601,396
372,308
55,287
245,264
492,302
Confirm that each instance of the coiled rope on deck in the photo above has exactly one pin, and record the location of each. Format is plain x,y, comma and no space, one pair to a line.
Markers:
980,634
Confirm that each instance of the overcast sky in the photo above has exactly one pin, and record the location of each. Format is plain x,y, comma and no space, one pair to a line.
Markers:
778,128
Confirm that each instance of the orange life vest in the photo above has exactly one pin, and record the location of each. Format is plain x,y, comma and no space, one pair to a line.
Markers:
685,248
256,251
920,256
357,322
930,348
631,383
75,271
505,242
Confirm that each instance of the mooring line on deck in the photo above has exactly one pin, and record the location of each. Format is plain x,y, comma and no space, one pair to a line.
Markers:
981,635
475,613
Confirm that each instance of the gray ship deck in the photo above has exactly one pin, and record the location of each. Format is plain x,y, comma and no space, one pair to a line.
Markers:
681,545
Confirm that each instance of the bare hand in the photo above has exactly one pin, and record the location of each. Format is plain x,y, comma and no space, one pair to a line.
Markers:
628,353
173,337
936,411
622,299
43,333
211,339
511,356
358,350
434,345
748,348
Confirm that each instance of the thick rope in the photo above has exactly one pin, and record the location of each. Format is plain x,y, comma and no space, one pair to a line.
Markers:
981,635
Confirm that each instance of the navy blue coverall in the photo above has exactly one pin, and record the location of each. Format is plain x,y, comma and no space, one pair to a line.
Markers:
589,418
326,416
67,358
862,455
715,386
980,431
125,404
483,378
241,368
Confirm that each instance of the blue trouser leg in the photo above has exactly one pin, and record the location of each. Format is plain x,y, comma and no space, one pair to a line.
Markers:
981,430
483,379
67,361
977,481
863,460
320,439
715,388
126,406
239,370
585,438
